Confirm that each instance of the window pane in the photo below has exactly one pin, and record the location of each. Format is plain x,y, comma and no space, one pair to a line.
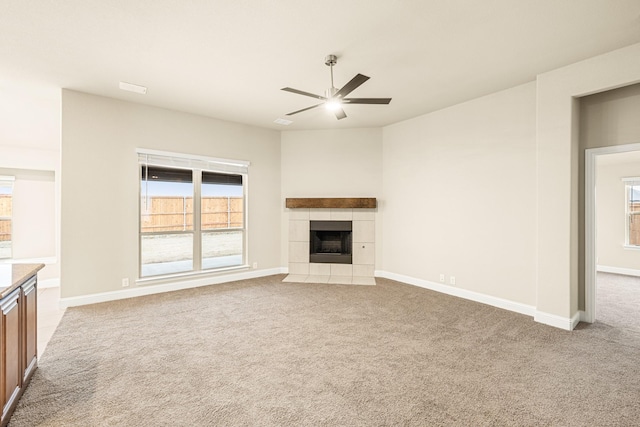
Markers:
634,195
166,199
222,201
222,249
166,254
634,215
6,202
5,237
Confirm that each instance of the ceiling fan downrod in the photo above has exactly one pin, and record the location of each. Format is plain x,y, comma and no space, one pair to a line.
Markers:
330,61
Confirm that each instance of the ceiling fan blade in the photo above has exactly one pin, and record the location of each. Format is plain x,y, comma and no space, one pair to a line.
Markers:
304,109
366,100
340,114
351,86
301,92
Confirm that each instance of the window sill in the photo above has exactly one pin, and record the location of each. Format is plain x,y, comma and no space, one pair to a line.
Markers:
631,247
192,274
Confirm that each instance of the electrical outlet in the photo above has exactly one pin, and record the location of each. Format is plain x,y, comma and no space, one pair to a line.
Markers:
125,282
255,265
442,278
452,280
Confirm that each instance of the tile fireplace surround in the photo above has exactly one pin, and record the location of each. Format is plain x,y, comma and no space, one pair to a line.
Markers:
363,250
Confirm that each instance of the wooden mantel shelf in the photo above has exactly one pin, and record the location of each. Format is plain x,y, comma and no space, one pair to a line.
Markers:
335,203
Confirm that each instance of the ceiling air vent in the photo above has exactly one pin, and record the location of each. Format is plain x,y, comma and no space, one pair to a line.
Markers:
283,122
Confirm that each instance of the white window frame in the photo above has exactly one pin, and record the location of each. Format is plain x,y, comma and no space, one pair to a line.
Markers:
196,164
628,184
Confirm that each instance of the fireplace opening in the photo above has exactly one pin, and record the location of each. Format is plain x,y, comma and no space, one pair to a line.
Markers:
330,242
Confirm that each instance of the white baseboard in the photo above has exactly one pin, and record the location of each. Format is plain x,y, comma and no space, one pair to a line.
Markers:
618,270
546,318
462,293
554,320
583,317
138,291
529,310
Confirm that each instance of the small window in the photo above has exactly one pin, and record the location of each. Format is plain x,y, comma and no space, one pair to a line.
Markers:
6,211
632,211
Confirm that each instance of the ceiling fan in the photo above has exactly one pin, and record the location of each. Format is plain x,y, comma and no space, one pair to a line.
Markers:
333,98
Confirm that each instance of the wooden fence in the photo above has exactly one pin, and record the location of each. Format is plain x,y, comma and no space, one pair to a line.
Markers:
634,224
176,213
5,217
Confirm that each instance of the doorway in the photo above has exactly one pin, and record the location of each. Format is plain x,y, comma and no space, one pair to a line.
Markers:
592,156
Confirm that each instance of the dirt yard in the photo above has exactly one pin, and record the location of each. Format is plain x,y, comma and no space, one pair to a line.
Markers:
179,247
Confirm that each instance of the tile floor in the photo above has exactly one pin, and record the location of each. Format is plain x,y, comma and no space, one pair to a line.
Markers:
49,315
338,280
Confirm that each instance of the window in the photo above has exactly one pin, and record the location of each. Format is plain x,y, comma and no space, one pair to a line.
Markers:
192,214
632,211
6,211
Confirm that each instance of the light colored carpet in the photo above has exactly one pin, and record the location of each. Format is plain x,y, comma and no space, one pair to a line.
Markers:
618,302
266,353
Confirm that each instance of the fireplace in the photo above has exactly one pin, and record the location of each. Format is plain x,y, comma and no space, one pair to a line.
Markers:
349,225
330,242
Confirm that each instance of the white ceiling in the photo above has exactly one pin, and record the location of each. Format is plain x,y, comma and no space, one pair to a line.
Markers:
229,59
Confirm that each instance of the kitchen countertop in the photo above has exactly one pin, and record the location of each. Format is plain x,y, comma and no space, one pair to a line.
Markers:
14,275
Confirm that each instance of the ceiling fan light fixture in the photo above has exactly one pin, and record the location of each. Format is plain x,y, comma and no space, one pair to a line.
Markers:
332,104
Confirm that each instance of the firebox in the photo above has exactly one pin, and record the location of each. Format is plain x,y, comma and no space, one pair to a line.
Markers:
330,242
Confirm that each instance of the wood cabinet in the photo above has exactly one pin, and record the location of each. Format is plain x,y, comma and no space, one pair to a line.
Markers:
30,328
18,342
11,351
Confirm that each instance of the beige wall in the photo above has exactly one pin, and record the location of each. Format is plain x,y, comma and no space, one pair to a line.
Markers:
610,211
100,180
610,118
331,163
30,116
459,190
